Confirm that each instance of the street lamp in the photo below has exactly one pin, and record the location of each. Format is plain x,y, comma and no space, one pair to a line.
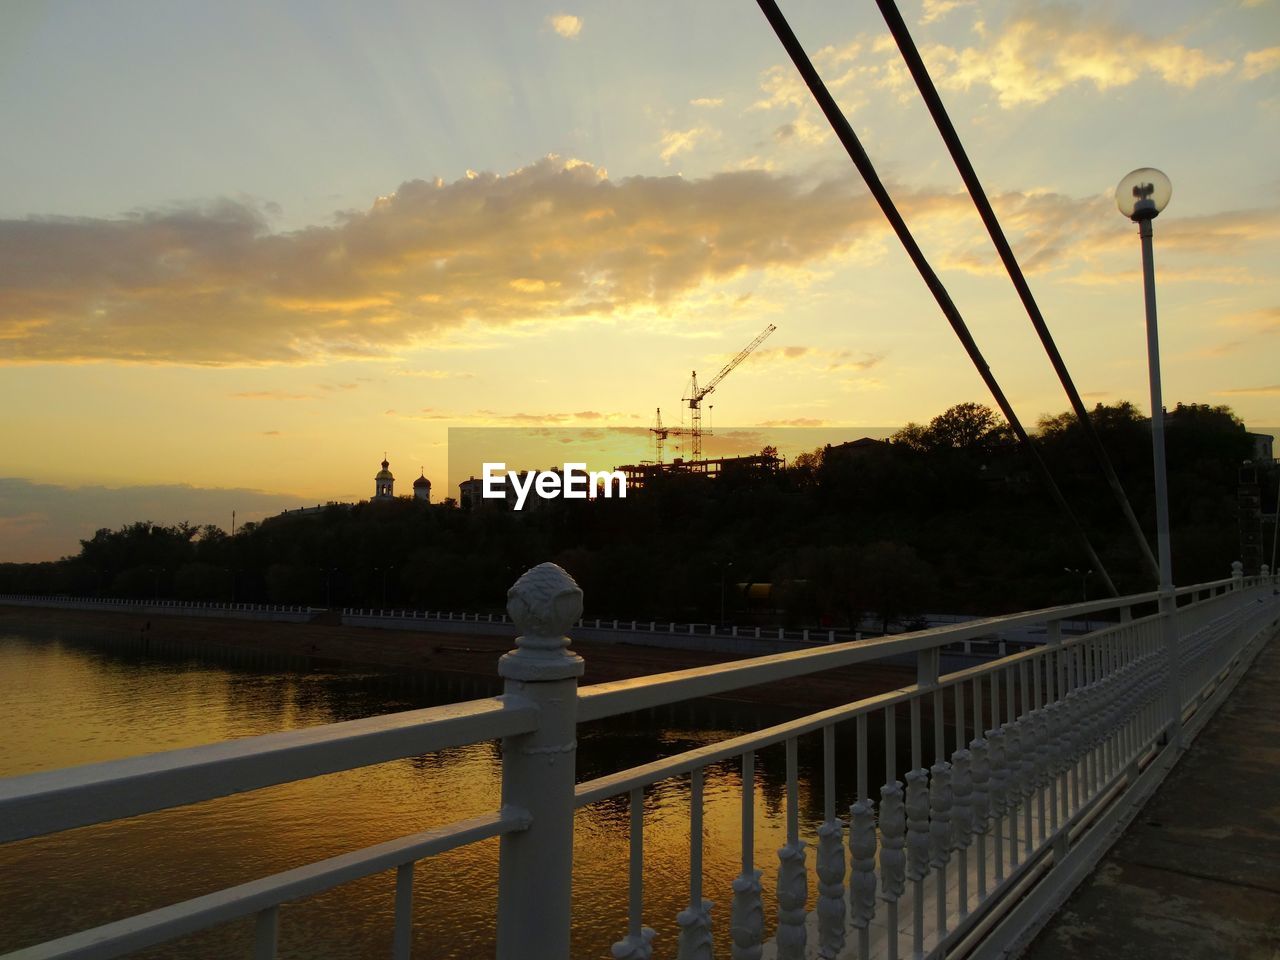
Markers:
1141,195
1083,575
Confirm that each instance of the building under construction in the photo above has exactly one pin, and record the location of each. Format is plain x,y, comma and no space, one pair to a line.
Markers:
641,475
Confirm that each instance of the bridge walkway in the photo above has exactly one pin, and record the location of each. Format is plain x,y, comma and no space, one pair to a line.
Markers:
1197,873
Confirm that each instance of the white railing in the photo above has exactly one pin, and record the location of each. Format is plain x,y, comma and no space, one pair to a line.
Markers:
1019,770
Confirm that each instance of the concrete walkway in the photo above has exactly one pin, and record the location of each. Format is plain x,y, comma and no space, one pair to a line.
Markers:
1197,874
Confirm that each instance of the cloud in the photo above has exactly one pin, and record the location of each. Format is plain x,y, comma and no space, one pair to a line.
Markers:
675,142
782,87
847,71
1264,320
783,353
707,102
1077,237
272,395
435,374
818,358
1040,51
213,285
493,418
565,24
937,9
43,521
796,422
1272,391
1260,62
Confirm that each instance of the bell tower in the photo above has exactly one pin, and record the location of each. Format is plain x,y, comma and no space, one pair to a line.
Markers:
384,483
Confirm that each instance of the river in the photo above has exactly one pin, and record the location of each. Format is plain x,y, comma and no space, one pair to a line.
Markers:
64,702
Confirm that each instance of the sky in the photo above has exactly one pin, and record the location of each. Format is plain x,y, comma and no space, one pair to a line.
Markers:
245,249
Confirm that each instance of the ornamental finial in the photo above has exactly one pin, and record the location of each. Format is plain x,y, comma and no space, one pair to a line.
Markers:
544,603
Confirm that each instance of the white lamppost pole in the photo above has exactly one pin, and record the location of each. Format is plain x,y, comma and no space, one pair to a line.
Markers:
1141,195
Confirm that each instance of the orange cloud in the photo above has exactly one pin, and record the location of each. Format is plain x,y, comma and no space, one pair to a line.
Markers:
1271,391
552,241
818,359
1041,51
272,395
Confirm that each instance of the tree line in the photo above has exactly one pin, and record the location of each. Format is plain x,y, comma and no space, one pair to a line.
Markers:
944,516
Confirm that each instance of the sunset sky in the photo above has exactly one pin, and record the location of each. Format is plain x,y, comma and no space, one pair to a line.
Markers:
247,248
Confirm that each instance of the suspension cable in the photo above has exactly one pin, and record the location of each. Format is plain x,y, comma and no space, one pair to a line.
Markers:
933,101
863,163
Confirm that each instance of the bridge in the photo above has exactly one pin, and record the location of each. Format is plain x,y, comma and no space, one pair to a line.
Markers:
980,798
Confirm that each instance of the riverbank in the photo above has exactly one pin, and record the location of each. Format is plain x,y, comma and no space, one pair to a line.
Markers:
328,645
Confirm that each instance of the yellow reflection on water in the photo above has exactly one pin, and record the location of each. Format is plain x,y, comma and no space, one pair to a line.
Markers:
64,704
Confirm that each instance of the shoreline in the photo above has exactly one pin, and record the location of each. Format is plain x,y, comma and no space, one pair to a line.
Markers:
332,645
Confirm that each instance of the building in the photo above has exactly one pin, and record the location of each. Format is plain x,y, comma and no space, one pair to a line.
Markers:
1263,447
641,475
422,488
471,493
384,483
853,448
384,491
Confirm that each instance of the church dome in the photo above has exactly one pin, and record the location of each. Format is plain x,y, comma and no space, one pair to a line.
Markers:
422,482
384,473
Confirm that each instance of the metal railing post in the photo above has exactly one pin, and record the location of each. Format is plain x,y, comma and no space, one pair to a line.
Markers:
535,865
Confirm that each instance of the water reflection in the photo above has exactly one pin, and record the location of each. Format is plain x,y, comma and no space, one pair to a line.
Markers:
64,703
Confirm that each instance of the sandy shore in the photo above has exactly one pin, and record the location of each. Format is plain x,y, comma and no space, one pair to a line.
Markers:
331,644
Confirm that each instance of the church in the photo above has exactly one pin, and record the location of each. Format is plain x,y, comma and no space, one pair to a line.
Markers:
384,484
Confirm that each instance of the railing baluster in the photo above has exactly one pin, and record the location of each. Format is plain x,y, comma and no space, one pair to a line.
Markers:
266,934
917,828
793,881
893,838
830,858
638,943
695,920
1013,753
862,851
635,887
940,802
981,786
939,735
890,744
1028,744
917,758
962,786
746,921
862,756
402,942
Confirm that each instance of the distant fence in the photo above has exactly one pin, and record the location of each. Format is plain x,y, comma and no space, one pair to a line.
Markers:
171,608
742,640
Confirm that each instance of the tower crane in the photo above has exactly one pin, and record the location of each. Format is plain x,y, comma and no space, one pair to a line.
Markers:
660,433
696,394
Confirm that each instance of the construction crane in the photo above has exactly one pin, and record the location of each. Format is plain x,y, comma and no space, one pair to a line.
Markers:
660,433
696,394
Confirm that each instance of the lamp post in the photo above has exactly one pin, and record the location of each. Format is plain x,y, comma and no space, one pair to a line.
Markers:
1141,195
1083,575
